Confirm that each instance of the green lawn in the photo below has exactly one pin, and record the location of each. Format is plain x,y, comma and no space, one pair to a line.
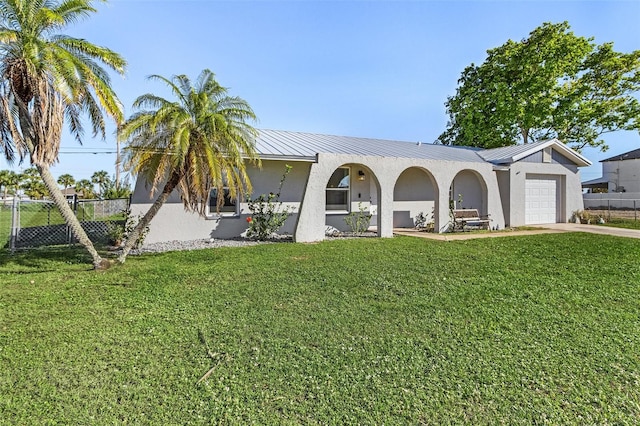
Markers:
516,330
623,223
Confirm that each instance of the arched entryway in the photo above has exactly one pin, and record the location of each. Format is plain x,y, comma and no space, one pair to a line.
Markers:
414,193
351,189
468,190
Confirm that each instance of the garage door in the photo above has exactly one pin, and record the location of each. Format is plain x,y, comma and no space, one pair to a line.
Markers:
540,200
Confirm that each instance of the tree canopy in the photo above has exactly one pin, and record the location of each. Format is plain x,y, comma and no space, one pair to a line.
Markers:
200,140
553,84
47,80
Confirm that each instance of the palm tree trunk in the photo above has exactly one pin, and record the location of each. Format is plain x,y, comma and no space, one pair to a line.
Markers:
69,217
54,191
132,239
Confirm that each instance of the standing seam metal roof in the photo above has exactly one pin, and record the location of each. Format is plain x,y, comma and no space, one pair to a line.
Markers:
275,143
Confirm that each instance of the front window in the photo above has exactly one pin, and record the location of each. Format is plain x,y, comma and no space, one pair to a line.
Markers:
338,190
229,205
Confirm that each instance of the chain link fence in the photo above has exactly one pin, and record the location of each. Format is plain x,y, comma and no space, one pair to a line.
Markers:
613,208
37,223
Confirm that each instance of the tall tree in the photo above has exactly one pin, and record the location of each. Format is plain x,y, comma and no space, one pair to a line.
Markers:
47,77
9,181
32,184
85,187
101,178
195,143
66,181
553,84
4,182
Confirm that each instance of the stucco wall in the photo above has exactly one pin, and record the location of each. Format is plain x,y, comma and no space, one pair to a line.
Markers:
569,189
624,174
385,171
395,190
414,193
173,223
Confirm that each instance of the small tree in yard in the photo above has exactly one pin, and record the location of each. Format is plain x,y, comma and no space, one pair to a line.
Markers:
267,214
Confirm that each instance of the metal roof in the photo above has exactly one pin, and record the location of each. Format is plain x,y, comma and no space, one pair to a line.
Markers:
277,144
284,145
631,155
511,154
507,154
598,181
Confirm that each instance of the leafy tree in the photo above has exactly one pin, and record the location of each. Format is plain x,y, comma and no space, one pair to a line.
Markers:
32,184
552,84
101,178
85,187
66,181
197,142
4,182
46,78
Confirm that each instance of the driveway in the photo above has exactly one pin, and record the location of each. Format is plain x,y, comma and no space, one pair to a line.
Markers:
553,228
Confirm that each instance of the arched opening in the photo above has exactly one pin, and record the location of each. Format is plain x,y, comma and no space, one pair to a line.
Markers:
468,190
352,189
415,196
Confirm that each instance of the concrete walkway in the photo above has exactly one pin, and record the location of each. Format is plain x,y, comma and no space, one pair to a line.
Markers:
553,228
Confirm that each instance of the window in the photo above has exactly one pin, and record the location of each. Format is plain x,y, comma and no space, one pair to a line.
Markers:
338,190
229,206
546,155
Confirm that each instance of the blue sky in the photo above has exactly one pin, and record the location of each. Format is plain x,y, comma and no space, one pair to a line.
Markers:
380,69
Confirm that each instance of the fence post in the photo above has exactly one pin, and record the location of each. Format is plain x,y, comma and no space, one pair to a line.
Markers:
608,210
15,223
635,212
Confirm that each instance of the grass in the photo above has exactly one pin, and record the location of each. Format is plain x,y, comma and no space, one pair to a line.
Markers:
520,330
623,223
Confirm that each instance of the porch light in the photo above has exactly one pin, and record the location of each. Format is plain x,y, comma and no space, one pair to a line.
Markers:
360,175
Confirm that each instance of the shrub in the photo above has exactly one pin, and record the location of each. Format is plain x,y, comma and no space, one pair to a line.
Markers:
267,213
358,221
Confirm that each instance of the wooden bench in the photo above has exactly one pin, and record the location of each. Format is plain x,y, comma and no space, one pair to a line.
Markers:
467,219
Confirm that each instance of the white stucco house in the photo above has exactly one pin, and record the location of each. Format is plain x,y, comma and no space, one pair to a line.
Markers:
620,173
334,175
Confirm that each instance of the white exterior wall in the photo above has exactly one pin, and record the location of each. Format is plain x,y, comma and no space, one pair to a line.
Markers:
413,194
424,187
569,189
385,172
625,174
173,223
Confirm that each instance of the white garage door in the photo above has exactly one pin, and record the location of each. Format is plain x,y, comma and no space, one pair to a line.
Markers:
540,200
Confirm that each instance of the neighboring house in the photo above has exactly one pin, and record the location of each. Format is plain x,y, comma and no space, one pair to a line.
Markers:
334,175
70,194
620,173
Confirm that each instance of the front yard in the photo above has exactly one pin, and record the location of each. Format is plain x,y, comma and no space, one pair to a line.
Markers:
518,330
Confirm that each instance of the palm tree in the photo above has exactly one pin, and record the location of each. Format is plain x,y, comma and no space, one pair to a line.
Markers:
85,187
101,178
47,77
67,181
197,142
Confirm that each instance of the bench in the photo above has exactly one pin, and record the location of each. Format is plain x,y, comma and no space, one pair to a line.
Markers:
467,219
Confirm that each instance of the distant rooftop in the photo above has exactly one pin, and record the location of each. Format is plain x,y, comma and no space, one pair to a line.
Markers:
631,155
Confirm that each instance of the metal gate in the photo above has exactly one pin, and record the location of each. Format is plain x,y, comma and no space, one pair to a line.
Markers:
37,223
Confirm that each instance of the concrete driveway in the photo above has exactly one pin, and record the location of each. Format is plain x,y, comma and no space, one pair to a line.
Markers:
553,228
